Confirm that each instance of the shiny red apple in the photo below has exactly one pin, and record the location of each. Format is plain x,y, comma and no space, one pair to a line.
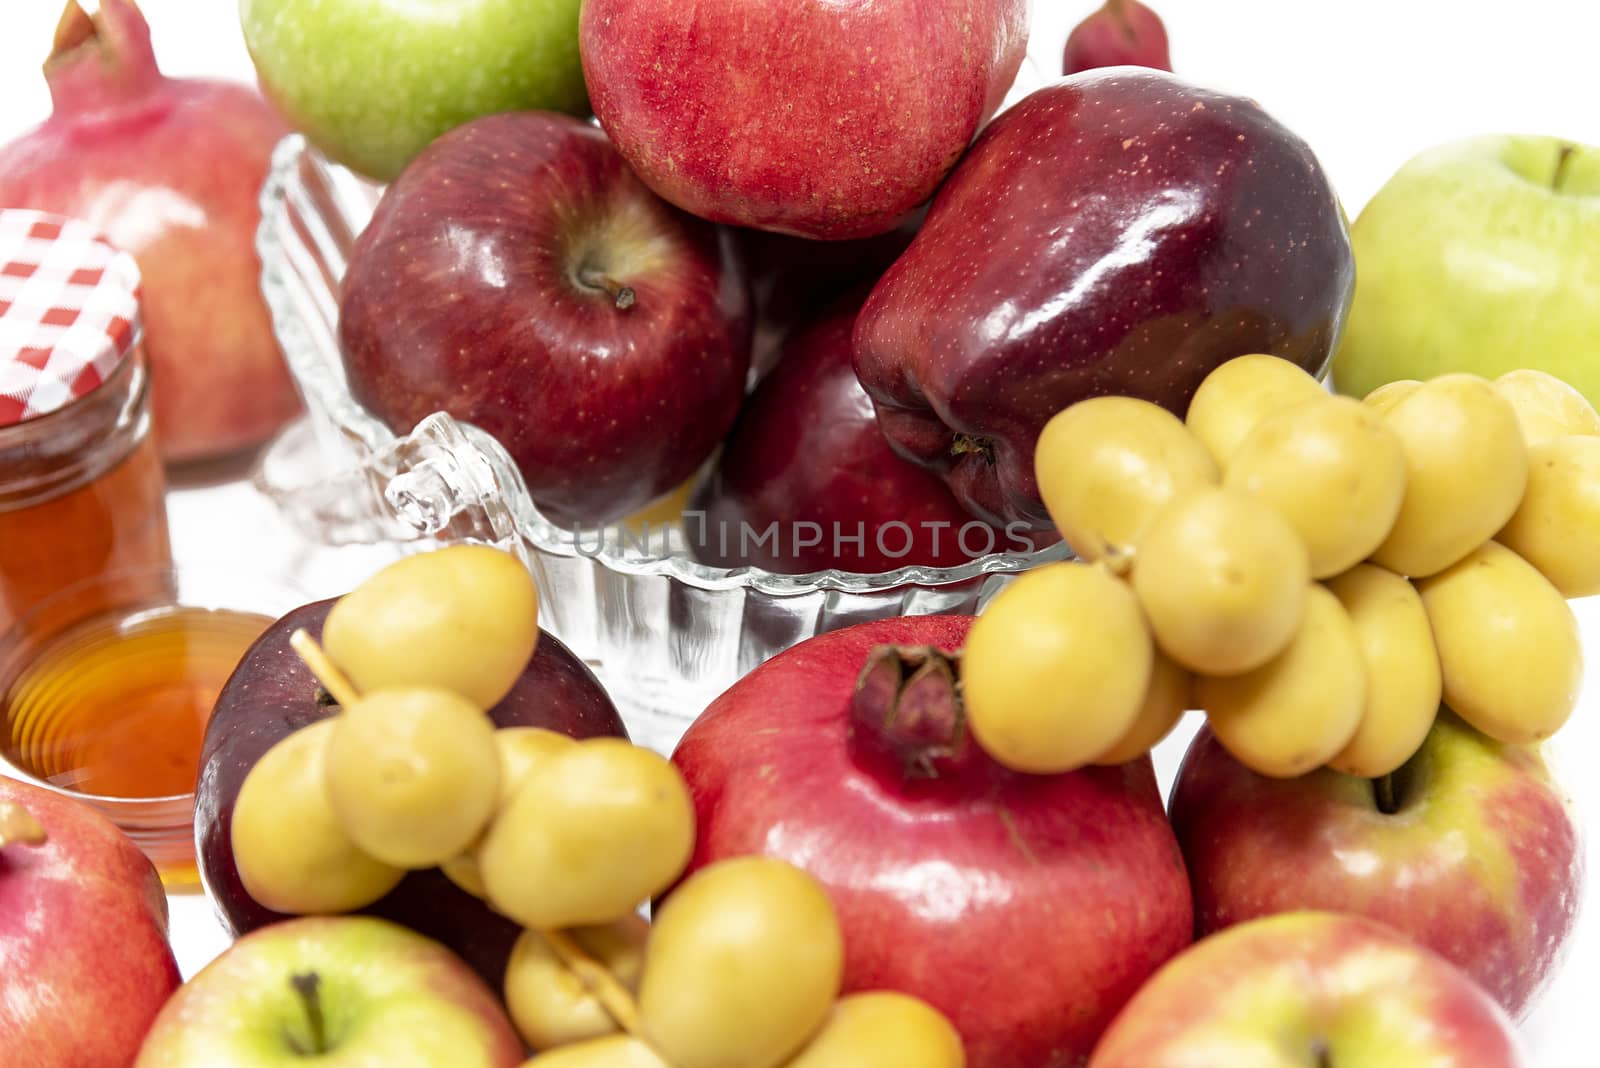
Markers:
84,960
806,480
1117,232
828,120
794,280
1470,849
1026,908
518,276
272,694
1315,989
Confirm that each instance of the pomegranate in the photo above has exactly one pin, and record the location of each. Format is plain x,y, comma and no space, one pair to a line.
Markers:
168,169
1121,33
1027,908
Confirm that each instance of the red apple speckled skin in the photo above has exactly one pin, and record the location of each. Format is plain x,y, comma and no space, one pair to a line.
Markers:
1313,989
272,694
1120,33
169,170
830,119
467,294
1118,232
1026,908
1482,862
807,449
84,960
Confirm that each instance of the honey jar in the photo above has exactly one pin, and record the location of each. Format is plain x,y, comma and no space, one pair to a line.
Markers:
82,493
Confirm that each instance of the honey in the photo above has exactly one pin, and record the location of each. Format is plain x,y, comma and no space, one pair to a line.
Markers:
117,706
115,521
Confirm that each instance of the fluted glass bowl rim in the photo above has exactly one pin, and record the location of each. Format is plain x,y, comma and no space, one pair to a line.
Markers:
312,365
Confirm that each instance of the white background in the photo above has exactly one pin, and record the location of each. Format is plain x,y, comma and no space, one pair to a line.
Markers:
1367,82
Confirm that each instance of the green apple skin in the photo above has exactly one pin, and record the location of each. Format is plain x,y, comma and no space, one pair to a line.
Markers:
1480,858
371,82
1472,259
1305,989
390,999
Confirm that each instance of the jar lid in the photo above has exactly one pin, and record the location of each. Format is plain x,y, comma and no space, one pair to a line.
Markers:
69,312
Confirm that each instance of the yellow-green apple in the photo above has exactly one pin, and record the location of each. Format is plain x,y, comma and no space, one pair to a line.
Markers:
1310,990
337,991
371,82
1118,232
1482,255
1120,33
272,694
1026,908
1470,849
519,277
824,118
84,960
806,480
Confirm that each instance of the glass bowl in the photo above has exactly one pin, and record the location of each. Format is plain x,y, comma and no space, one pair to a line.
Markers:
664,632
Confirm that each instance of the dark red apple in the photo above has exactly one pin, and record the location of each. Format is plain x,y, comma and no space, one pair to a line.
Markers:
1118,232
806,480
1470,849
272,694
84,960
1027,908
1120,33
518,276
828,120
793,280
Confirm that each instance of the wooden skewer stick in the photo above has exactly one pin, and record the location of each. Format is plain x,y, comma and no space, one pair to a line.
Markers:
327,672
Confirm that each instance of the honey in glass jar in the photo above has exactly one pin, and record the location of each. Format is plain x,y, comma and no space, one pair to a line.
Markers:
82,493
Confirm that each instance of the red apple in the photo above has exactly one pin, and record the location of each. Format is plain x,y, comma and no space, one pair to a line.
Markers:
806,470
828,120
519,277
1313,989
84,960
336,991
1119,33
794,280
1026,908
1118,232
272,694
1470,849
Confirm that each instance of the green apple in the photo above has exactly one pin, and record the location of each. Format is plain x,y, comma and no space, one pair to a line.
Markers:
371,82
339,991
1481,256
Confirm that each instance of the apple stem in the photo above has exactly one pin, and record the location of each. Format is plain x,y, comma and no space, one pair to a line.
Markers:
1385,794
1322,1056
965,443
327,672
611,994
308,986
623,296
17,825
1563,160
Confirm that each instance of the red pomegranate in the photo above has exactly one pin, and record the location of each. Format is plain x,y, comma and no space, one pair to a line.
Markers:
168,169
1026,908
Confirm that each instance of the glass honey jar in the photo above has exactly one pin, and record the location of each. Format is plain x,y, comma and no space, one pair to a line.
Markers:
82,492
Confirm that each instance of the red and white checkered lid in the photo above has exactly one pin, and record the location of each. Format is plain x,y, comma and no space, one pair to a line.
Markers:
69,312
